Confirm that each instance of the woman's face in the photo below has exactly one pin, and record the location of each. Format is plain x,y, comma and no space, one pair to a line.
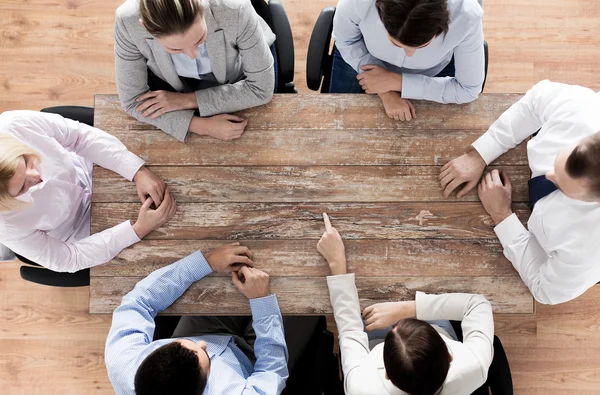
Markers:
24,178
188,42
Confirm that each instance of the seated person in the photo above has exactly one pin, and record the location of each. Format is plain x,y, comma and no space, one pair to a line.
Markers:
413,354
46,191
409,49
181,62
206,355
558,256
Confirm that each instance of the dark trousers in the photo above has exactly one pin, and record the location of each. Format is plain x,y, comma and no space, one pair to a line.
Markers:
157,84
298,332
343,76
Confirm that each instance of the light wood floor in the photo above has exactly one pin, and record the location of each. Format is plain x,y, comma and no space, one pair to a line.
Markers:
60,52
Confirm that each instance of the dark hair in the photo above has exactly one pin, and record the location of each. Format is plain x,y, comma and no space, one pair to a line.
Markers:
414,22
166,17
584,162
416,357
170,369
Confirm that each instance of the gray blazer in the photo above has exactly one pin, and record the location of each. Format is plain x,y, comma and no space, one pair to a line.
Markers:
238,43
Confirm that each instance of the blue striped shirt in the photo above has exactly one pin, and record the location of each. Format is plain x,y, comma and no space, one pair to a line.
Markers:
130,338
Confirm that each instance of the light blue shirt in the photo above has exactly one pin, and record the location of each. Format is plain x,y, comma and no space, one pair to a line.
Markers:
362,39
192,68
130,338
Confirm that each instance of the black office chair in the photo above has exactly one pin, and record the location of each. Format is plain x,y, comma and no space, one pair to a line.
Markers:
319,58
274,14
315,373
499,381
34,272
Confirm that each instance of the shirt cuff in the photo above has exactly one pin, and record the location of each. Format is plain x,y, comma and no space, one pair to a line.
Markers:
125,235
412,86
264,307
510,230
488,148
130,164
340,279
197,265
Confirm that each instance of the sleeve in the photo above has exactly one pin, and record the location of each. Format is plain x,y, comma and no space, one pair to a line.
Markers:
464,87
61,256
520,121
132,81
354,342
257,60
549,277
84,140
475,312
132,326
348,37
270,369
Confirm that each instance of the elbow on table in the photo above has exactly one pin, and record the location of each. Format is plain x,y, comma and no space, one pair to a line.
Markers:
468,94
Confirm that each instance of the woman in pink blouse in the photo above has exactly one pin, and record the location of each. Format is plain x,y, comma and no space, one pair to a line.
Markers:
46,191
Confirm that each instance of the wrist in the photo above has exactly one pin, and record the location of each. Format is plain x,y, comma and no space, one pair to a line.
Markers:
475,155
397,82
500,217
190,101
198,126
338,268
139,230
141,170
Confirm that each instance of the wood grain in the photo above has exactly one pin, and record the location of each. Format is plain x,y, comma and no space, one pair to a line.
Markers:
218,296
336,111
254,221
299,258
290,184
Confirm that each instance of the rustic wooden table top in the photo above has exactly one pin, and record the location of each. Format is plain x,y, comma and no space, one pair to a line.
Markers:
302,155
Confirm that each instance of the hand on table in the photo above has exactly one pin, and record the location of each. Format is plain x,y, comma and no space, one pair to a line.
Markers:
229,258
467,168
383,315
222,127
396,107
149,184
495,193
332,248
150,219
156,103
253,283
376,79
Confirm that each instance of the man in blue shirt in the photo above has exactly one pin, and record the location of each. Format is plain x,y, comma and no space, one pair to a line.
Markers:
218,358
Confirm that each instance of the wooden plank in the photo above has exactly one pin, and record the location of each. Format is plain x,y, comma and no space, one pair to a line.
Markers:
297,184
309,295
341,111
335,147
264,221
299,258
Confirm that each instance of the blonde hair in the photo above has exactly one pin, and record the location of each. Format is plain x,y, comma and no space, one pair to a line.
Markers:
166,17
11,151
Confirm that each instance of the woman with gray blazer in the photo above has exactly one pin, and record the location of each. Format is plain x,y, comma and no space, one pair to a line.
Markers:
179,63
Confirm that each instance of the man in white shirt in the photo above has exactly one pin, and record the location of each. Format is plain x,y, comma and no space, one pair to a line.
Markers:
418,356
558,257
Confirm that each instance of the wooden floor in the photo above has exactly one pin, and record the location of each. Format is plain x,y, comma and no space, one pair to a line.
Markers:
60,52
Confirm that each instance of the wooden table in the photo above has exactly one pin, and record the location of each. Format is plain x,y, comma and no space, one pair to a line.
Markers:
303,155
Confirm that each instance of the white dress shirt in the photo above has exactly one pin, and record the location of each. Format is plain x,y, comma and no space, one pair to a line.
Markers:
362,39
364,370
558,258
192,68
54,230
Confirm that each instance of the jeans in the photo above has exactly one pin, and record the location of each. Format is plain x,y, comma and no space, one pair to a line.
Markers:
343,76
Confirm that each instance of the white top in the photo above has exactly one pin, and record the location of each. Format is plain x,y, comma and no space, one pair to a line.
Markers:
192,68
362,39
558,258
55,230
364,370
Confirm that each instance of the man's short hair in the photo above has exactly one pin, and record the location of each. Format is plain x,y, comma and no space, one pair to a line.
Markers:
584,163
414,22
170,369
416,357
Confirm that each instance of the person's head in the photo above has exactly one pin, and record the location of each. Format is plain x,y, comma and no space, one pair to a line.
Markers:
413,24
415,357
577,170
18,172
180,367
178,25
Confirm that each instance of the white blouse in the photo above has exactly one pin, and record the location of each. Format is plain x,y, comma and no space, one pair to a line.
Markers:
54,231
